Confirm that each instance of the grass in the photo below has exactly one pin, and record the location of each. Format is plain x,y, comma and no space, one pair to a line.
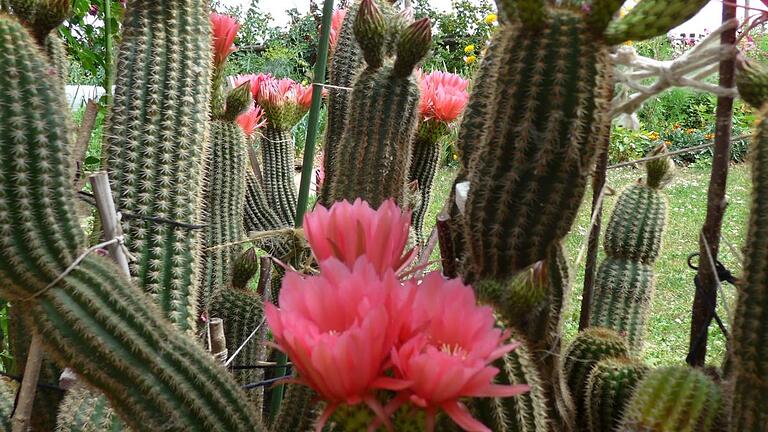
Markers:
669,325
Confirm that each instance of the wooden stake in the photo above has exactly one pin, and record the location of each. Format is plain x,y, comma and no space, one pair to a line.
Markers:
265,278
218,340
705,299
26,400
83,139
108,216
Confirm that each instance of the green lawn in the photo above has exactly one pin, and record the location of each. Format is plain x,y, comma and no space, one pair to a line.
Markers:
669,325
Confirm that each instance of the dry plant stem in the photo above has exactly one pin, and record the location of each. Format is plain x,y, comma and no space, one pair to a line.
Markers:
218,340
706,298
265,277
447,254
26,399
102,192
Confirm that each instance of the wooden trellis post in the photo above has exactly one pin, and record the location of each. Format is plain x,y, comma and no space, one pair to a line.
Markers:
705,298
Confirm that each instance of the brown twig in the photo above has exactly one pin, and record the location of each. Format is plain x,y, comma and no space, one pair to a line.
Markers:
709,244
23,412
83,139
108,215
445,239
265,278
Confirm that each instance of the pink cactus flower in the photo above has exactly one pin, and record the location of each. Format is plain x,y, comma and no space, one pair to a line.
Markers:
338,329
336,21
443,96
255,80
278,92
224,31
449,357
348,231
251,120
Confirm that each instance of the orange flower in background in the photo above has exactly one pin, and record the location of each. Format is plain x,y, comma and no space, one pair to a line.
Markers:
336,21
251,120
443,96
225,29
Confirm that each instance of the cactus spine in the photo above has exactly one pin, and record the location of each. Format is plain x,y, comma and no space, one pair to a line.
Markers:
373,156
156,143
609,388
425,158
92,319
258,215
675,399
224,196
298,411
85,411
589,347
750,352
624,284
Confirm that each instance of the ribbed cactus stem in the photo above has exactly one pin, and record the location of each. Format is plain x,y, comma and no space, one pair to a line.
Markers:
278,154
609,388
624,284
528,412
224,206
651,18
85,411
92,319
56,50
589,347
41,16
242,312
298,411
425,157
258,216
245,268
674,399
156,143
749,389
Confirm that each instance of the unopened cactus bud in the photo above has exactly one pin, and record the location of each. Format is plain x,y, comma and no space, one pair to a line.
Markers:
238,101
370,31
415,42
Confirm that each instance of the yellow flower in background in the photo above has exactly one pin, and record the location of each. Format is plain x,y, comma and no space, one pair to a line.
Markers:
653,136
469,48
709,136
470,59
676,126
490,18
455,156
690,131
668,142
629,43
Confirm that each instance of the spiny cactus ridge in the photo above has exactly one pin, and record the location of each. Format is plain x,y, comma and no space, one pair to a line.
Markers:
85,411
673,399
278,154
258,215
91,319
749,355
425,158
609,388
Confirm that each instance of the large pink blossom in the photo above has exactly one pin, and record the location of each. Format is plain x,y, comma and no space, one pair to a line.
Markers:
348,231
251,120
224,31
449,357
443,96
338,329
255,80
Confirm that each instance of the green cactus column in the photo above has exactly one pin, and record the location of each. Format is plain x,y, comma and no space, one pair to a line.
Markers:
92,318
425,157
624,284
224,196
609,387
675,399
590,347
279,155
298,411
156,143
346,63
373,156
258,215
749,389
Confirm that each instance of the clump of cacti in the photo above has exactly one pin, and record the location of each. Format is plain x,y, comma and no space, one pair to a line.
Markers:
624,285
155,162
41,16
371,160
224,195
749,354
609,388
534,121
89,315
674,399
590,347
346,63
